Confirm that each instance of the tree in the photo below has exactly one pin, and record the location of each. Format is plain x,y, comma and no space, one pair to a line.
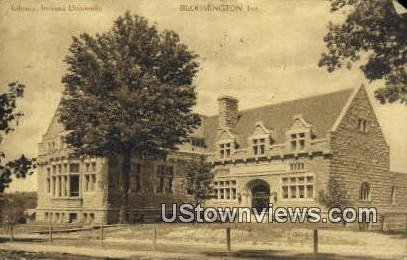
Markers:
375,32
9,119
199,176
128,92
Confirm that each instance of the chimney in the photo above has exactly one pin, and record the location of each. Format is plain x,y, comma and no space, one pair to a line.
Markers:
228,112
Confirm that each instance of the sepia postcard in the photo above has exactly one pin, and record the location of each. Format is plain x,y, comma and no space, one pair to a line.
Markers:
203,129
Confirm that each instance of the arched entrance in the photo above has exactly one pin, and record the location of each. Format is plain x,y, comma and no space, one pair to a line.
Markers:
259,194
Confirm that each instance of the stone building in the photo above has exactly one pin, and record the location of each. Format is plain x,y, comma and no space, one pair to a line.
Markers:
285,153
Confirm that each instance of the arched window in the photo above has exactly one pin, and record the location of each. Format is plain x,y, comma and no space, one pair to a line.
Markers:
364,191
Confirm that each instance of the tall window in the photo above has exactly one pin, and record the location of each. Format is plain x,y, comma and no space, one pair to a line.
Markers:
90,182
224,150
48,185
135,184
297,141
74,184
393,195
259,146
364,191
165,175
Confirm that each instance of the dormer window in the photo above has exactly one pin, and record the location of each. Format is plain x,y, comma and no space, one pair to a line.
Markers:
362,125
297,141
224,150
259,146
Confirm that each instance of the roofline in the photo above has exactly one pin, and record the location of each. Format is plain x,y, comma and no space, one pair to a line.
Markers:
283,102
345,108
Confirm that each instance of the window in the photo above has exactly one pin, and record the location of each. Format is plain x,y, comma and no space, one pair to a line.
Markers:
296,166
48,171
93,166
362,125
91,217
259,146
301,187
364,191
74,167
160,176
48,185
87,167
59,168
59,181
297,141
74,183
73,217
53,186
198,142
46,216
135,184
393,195
93,182
225,189
90,182
224,150
170,175
65,185
165,175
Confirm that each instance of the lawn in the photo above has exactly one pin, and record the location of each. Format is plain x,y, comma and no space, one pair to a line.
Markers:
257,239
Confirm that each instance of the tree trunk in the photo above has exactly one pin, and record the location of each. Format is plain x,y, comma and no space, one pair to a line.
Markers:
124,183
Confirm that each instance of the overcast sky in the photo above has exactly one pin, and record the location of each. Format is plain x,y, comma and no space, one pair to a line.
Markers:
261,57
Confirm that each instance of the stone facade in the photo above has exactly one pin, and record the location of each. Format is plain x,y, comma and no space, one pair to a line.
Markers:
285,154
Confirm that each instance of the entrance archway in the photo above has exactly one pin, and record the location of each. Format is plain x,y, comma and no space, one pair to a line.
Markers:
259,194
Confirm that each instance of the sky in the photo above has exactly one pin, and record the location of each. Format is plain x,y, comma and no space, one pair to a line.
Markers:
265,55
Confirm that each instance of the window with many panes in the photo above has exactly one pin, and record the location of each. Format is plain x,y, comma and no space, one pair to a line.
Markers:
259,146
297,141
225,189
296,166
225,150
298,187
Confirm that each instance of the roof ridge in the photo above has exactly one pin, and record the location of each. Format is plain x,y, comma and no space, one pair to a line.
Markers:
298,99
292,100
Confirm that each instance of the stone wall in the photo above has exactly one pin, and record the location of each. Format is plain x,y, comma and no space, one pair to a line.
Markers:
361,156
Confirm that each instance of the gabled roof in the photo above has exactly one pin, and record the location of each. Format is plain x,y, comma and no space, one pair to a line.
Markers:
320,111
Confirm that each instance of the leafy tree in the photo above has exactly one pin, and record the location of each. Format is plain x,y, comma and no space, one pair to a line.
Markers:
375,31
199,176
128,92
9,118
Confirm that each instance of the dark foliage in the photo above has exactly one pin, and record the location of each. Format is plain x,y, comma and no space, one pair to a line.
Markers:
128,92
372,29
8,121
